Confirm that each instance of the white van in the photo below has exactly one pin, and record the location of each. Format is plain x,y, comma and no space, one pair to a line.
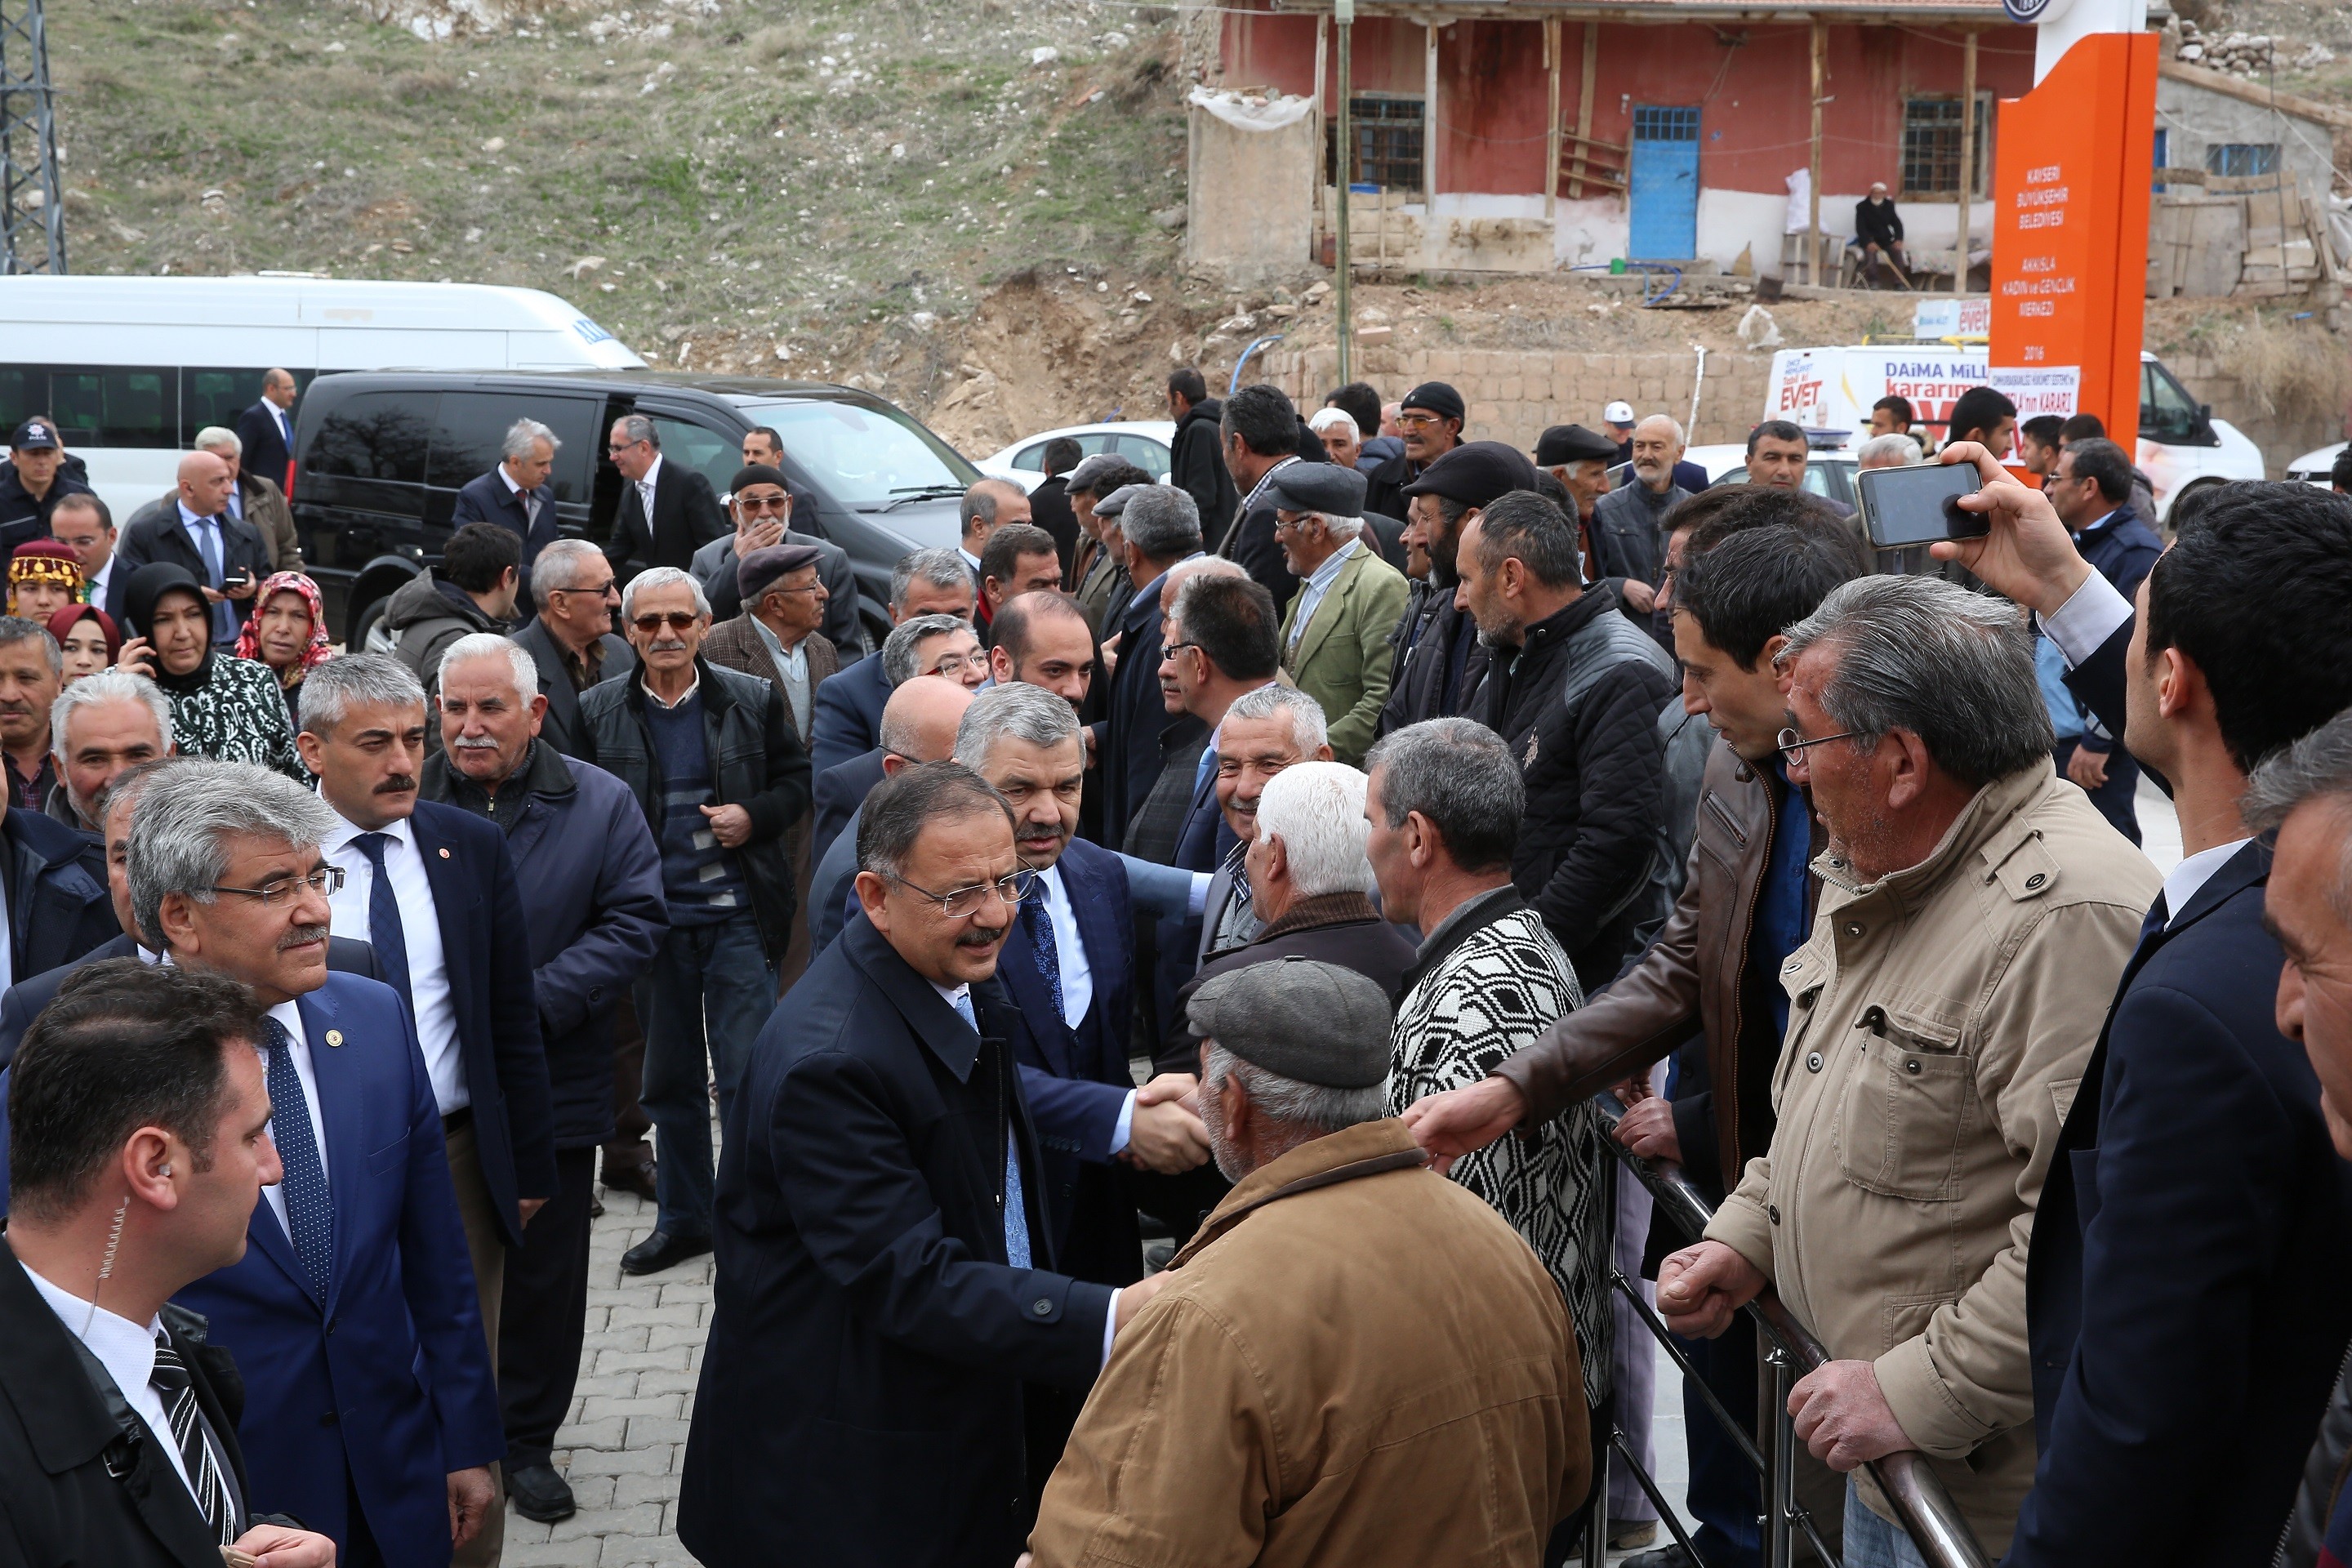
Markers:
132,368
2181,446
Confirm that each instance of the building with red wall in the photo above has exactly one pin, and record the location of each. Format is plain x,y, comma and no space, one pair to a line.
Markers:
1691,118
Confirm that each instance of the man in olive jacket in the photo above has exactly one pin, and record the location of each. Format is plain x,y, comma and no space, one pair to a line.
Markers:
1975,914
1335,633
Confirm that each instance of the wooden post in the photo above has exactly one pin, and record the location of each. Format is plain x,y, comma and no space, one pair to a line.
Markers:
1429,124
1551,137
1967,155
1344,167
1813,158
1584,109
1315,177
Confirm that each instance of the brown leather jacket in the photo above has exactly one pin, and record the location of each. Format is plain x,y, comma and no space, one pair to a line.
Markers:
1693,978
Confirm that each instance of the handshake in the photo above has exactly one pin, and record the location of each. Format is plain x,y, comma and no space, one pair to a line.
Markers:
1165,1134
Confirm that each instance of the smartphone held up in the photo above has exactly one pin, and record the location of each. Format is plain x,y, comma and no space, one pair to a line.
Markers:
1918,505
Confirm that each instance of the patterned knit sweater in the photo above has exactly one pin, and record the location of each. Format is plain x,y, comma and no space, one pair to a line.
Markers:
1493,988
237,714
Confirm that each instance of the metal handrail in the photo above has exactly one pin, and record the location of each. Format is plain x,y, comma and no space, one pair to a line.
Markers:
1923,1508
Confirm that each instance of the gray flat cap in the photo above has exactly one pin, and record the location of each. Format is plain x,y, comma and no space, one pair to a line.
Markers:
1299,1019
1090,470
1326,488
1115,502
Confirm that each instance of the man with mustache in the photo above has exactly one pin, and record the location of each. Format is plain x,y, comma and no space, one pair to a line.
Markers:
370,1408
433,888
31,672
1441,662
1629,522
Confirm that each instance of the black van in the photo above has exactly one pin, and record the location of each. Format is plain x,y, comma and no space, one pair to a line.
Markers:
380,455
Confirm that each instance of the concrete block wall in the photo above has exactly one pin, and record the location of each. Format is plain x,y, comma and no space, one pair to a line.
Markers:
2284,431
1514,394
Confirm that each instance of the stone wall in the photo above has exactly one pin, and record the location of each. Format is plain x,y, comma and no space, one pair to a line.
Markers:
2284,431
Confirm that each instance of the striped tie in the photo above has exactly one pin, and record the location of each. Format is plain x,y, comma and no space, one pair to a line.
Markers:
206,1479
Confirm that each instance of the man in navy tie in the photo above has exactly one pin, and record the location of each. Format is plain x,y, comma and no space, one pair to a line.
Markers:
434,888
268,430
370,1412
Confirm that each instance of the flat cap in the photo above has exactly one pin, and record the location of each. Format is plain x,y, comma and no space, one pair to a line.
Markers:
1115,502
1326,488
758,571
1435,397
1298,1018
1091,470
1475,472
1572,444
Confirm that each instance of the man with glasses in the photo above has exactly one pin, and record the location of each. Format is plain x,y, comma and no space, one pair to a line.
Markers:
888,1221
1429,420
762,508
667,511
721,775
571,639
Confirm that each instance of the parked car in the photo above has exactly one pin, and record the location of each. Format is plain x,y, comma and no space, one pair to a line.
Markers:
380,457
2315,468
1828,472
1146,443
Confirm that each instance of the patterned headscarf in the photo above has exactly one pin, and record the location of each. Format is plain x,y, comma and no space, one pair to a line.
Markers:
321,648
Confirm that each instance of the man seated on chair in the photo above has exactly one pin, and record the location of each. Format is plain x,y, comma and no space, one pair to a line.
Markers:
1878,234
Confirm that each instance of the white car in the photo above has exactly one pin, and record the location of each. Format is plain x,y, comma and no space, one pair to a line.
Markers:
1828,473
1146,443
2315,468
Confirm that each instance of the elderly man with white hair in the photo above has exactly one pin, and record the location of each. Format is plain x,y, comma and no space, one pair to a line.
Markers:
1310,883
1629,534
1335,631
517,494
1892,450
98,726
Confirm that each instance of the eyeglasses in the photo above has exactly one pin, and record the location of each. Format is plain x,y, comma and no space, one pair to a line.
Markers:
957,663
765,503
326,881
1793,745
676,620
608,589
622,446
1170,651
1417,419
964,902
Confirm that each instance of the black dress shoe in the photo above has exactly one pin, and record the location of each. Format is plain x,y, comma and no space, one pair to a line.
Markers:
540,1494
661,1250
637,1179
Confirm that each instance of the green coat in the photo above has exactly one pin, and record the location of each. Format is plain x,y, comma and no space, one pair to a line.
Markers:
1343,659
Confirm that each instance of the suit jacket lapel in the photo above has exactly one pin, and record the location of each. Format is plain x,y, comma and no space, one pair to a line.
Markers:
1016,970
341,1112
453,893
1107,954
1328,613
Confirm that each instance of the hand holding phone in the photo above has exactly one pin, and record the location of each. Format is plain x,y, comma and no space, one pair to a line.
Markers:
1920,504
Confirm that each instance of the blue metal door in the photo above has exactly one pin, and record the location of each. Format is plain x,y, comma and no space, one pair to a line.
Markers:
1665,183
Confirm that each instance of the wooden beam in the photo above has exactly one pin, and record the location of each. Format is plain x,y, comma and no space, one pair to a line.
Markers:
1584,109
1967,158
1315,171
1813,157
1429,139
1551,151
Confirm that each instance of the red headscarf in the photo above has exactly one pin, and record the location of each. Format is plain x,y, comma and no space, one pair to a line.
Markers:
72,616
320,649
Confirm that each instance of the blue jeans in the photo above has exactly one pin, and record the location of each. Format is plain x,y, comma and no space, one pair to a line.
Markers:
710,987
1870,1541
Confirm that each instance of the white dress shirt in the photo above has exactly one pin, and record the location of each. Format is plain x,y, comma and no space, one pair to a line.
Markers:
1317,585
298,1050
2088,619
97,581
420,927
529,505
2193,872
645,492
127,1352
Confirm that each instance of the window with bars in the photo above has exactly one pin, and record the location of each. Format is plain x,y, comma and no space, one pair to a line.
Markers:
1931,146
1388,136
1660,123
2235,158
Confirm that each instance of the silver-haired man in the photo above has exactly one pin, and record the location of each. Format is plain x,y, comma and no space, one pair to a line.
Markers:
720,774
98,726
1975,914
517,495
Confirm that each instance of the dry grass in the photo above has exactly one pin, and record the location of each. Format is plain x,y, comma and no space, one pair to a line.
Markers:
2281,362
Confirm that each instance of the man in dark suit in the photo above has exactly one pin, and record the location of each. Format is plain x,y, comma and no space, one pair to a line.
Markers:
1162,528
1260,430
1049,503
571,640
267,431
883,1209
57,905
2091,491
516,495
371,1412
849,710
918,726
433,888
2189,1303
227,557
118,1417
667,511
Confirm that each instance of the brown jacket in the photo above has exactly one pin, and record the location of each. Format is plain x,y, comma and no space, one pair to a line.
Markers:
1369,1369
266,509
1692,979
1940,1023
738,644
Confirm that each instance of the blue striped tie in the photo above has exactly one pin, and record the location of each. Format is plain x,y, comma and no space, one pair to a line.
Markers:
309,1216
383,919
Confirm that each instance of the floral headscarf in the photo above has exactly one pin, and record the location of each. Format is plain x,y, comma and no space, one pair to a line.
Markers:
248,641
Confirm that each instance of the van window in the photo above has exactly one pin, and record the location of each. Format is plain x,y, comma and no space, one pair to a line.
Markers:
116,407
373,436
470,437
714,457
216,396
23,392
2167,413
865,457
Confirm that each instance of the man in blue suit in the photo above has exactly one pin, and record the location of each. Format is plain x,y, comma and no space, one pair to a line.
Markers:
882,1216
516,495
2189,1287
370,1413
433,888
848,708
1162,528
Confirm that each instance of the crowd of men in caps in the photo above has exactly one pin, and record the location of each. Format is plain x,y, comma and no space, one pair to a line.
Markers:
1167,1006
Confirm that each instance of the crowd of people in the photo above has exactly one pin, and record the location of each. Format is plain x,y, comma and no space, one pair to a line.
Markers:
1159,1005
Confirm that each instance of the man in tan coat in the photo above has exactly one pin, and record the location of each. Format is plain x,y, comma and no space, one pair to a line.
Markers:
1975,912
1355,1361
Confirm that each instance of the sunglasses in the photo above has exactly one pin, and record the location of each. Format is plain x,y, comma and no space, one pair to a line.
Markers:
676,620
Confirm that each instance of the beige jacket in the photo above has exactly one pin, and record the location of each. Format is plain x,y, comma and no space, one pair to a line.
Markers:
1372,1371
1940,1021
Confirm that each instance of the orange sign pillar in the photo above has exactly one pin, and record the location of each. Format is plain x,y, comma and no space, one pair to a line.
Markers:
2070,234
